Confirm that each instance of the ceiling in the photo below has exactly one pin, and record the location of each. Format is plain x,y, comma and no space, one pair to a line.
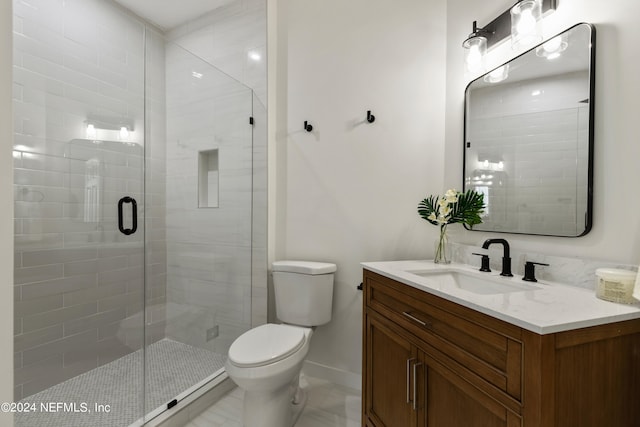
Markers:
168,14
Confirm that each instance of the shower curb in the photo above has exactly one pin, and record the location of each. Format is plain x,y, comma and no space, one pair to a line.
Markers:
194,404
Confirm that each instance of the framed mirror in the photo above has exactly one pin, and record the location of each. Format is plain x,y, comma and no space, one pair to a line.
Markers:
529,138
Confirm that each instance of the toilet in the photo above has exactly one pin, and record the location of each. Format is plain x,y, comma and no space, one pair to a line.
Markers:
266,361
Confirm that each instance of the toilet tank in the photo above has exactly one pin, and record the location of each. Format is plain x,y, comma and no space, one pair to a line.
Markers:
303,291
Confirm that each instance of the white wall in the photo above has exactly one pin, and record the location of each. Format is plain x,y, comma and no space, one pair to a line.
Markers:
616,231
6,214
348,191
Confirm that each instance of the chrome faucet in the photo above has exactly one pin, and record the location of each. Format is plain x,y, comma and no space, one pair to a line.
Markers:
506,259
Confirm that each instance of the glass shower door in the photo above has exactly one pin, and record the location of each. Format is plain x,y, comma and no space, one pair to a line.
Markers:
207,230
79,241
79,283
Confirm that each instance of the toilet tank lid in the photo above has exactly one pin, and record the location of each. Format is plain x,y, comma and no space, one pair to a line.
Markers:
304,267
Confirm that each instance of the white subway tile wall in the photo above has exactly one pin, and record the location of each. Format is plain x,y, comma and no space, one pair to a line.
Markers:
208,249
155,189
217,258
77,276
234,39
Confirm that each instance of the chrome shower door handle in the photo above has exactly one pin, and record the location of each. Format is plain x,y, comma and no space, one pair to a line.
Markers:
134,215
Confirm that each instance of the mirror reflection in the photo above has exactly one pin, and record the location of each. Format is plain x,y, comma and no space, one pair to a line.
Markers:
529,138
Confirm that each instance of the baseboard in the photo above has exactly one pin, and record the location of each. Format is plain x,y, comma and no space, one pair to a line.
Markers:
334,375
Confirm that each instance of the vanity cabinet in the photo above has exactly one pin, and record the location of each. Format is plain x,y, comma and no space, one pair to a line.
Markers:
430,362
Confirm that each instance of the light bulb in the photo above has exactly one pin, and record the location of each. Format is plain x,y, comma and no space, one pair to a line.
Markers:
475,49
124,132
474,57
527,23
91,131
524,23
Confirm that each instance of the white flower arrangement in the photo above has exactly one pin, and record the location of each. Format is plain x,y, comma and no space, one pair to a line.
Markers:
452,207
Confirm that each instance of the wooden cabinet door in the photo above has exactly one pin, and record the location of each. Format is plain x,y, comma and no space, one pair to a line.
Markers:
389,362
451,401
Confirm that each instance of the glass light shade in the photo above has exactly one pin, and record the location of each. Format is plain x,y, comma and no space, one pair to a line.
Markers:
553,48
474,53
525,29
497,75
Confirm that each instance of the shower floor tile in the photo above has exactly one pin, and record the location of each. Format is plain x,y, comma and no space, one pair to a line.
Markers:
328,405
172,368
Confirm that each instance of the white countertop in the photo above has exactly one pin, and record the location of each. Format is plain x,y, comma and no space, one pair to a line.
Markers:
545,308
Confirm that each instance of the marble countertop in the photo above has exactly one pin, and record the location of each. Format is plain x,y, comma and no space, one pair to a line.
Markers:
543,307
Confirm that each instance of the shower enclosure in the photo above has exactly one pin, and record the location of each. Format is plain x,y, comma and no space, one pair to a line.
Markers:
140,215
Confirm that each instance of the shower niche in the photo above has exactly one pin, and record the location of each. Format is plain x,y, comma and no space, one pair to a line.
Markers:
208,179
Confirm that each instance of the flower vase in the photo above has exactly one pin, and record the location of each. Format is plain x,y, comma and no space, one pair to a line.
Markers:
443,250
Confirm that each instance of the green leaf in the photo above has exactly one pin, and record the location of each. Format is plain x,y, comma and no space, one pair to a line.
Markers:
467,210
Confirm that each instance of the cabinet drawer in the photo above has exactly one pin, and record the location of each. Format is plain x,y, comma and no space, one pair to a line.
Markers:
482,345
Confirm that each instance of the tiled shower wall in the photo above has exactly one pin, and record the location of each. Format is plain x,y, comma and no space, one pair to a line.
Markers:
546,200
208,248
217,272
155,188
78,281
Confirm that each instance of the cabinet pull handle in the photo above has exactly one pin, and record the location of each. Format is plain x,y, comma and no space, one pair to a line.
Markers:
409,379
425,400
415,319
415,386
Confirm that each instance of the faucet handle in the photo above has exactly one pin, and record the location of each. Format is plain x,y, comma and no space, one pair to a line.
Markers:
485,262
530,271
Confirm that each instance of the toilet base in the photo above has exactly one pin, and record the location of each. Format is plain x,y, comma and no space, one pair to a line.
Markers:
279,408
298,405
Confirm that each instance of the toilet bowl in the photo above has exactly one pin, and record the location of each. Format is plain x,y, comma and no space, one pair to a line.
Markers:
266,361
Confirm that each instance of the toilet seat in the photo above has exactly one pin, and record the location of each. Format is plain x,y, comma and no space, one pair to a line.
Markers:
265,345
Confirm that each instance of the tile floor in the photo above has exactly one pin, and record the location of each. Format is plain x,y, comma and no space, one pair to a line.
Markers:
328,405
172,368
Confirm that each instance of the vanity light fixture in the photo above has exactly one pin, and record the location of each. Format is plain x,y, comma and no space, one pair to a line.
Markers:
107,127
520,22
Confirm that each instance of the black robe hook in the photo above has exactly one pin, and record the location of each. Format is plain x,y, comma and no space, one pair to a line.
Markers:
307,126
370,117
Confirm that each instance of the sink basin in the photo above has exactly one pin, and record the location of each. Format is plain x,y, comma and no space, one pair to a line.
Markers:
487,285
